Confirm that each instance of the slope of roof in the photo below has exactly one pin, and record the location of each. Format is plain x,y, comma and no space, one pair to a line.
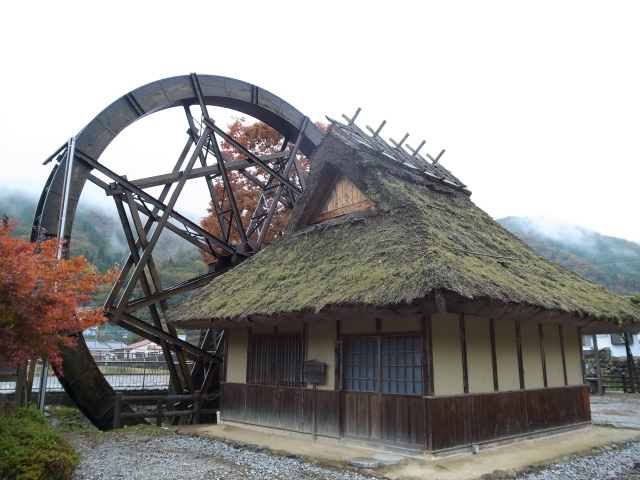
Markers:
424,247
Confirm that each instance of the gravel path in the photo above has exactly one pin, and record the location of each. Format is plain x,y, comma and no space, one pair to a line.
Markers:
134,456
615,463
145,455
619,410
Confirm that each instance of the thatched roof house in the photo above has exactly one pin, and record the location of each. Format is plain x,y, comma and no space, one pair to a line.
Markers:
424,238
433,321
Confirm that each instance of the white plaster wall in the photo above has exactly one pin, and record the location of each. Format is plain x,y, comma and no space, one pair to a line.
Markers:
358,325
321,346
479,362
400,324
447,355
506,355
238,341
531,357
553,355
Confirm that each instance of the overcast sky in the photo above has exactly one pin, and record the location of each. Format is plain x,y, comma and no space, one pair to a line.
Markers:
536,103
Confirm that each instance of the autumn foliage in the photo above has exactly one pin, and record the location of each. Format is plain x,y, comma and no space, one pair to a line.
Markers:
260,139
40,298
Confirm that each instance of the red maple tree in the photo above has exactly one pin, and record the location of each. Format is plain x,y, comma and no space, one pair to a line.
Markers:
260,139
40,298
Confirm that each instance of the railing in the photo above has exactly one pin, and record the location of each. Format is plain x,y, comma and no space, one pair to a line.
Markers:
151,374
614,382
195,412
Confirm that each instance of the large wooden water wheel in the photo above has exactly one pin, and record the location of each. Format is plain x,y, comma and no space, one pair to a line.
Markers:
145,212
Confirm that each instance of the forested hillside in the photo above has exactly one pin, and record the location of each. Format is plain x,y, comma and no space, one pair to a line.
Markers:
609,261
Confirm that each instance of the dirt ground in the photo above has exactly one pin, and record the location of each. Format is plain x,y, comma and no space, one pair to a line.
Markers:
456,467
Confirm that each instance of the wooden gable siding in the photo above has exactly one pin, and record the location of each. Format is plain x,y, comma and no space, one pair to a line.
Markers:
344,198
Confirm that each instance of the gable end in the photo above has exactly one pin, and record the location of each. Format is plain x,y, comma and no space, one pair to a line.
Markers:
345,197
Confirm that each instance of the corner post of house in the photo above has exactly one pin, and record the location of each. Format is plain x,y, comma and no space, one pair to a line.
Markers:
463,349
519,349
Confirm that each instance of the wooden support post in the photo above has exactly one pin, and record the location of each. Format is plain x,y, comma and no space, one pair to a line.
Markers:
630,368
494,360
117,410
564,360
597,360
463,349
197,403
543,357
313,413
519,350
159,413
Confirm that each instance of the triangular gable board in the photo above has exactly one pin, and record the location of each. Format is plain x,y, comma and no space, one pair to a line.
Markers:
344,198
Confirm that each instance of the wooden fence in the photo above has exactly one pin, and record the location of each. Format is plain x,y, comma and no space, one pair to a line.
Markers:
196,412
618,382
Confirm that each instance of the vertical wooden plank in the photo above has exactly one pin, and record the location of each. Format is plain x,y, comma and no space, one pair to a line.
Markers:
337,380
494,360
520,361
363,414
426,337
463,349
402,428
275,365
417,422
375,416
564,360
543,356
427,404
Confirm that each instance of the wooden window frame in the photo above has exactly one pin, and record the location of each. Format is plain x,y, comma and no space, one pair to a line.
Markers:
275,359
379,363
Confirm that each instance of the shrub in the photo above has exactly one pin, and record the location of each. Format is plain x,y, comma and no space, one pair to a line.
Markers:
30,449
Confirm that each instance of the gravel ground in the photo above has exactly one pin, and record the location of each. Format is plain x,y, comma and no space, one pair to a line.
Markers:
144,455
619,410
134,456
615,463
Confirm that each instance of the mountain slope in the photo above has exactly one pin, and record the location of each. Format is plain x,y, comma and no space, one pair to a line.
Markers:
609,261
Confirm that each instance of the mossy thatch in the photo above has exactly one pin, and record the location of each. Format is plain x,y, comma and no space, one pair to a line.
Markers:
424,239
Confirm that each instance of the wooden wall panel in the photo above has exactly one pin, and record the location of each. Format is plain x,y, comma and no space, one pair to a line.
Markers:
327,412
465,420
449,421
409,421
392,419
280,407
232,401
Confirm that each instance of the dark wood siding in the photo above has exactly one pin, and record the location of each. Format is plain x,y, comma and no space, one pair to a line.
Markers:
389,419
468,419
412,422
280,407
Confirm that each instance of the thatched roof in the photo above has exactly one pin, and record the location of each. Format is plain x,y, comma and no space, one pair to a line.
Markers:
424,247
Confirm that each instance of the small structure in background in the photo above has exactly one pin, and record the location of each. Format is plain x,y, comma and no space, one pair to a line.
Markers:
614,342
142,349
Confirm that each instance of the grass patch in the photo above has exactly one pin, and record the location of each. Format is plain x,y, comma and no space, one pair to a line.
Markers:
30,449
